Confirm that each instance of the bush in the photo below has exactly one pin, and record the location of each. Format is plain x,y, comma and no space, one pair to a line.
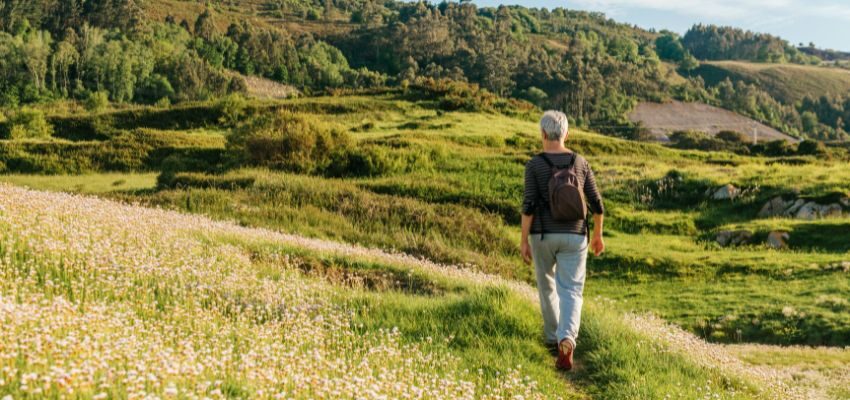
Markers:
153,89
96,101
27,123
811,147
232,109
286,141
732,137
362,161
183,180
778,148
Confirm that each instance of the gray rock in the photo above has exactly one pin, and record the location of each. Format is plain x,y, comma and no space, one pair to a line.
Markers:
733,238
794,207
778,239
808,211
726,192
775,207
833,210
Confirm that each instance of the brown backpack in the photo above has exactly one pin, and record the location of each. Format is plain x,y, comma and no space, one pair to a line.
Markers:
566,196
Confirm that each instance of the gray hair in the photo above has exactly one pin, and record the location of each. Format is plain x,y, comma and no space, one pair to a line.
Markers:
554,124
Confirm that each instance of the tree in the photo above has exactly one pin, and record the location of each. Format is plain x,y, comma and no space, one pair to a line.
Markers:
204,25
35,52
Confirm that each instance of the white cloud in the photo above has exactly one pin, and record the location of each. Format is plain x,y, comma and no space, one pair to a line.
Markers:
761,12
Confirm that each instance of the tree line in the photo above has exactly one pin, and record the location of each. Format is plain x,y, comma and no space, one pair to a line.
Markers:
583,63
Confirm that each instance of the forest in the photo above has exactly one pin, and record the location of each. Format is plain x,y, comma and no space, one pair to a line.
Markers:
583,63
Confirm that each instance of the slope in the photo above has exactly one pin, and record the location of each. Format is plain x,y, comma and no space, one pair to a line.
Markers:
181,305
786,82
663,119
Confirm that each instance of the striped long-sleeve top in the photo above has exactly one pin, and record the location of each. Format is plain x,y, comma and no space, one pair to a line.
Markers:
537,175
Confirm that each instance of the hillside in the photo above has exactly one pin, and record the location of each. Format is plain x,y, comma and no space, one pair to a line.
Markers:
663,119
787,82
288,306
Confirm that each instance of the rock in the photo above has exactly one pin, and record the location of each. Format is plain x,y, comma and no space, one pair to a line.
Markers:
808,211
726,192
831,211
773,208
795,206
778,239
734,238
845,201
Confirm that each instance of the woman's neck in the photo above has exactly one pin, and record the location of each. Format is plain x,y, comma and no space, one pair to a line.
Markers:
551,146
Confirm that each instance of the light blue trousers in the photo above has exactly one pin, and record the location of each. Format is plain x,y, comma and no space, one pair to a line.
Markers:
559,264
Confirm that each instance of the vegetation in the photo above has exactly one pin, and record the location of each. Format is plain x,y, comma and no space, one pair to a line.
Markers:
594,69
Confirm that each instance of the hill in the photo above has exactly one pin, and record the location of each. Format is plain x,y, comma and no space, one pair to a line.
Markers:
787,82
288,307
663,119
431,174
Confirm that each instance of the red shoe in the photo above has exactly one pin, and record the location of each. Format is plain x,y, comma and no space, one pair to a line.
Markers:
565,355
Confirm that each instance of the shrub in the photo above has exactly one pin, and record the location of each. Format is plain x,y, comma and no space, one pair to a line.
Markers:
153,89
27,123
732,137
232,109
96,101
361,161
285,141
778,148
811,147
185,180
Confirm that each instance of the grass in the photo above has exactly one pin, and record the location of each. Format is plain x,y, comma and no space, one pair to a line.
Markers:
228,290
453,194
90,183
787,82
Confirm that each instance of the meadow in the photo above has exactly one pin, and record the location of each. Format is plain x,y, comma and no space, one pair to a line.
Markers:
423,181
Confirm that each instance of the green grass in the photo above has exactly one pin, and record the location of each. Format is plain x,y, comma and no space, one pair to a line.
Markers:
90,183
787,82
453,196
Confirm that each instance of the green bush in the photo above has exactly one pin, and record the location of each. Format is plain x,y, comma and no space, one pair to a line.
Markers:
184,180
232,109
27,123
96,101
811,147
362,161
286,141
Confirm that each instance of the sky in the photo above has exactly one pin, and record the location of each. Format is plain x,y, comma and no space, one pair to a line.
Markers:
824,22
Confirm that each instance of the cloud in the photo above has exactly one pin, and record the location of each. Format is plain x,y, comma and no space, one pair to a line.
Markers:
722,9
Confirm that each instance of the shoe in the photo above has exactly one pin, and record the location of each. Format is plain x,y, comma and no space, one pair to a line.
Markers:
565,355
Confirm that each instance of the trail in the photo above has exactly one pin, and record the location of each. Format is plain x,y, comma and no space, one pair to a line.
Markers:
815,384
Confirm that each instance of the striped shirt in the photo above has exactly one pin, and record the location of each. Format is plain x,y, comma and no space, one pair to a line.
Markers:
537,175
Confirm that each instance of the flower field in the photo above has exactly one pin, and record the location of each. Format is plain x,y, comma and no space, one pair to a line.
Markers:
100,300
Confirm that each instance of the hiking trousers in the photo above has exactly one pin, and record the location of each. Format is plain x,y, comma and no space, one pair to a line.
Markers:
559,264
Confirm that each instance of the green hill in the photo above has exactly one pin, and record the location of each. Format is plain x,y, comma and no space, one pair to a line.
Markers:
786,82
412,174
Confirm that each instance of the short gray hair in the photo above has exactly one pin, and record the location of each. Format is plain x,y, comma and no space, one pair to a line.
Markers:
554,124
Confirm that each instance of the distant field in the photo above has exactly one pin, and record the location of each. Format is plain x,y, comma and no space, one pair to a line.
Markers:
786,82
665,118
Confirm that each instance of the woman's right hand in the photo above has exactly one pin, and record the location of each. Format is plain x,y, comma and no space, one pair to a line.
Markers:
525,250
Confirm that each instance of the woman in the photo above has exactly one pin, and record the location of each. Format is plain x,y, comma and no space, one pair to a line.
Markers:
557,246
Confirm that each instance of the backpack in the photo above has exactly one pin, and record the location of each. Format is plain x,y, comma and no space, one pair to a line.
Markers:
566,196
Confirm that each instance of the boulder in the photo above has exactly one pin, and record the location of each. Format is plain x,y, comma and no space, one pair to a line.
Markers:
773,208
734,238
778,239
794,207
726,192
808,211
833,210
